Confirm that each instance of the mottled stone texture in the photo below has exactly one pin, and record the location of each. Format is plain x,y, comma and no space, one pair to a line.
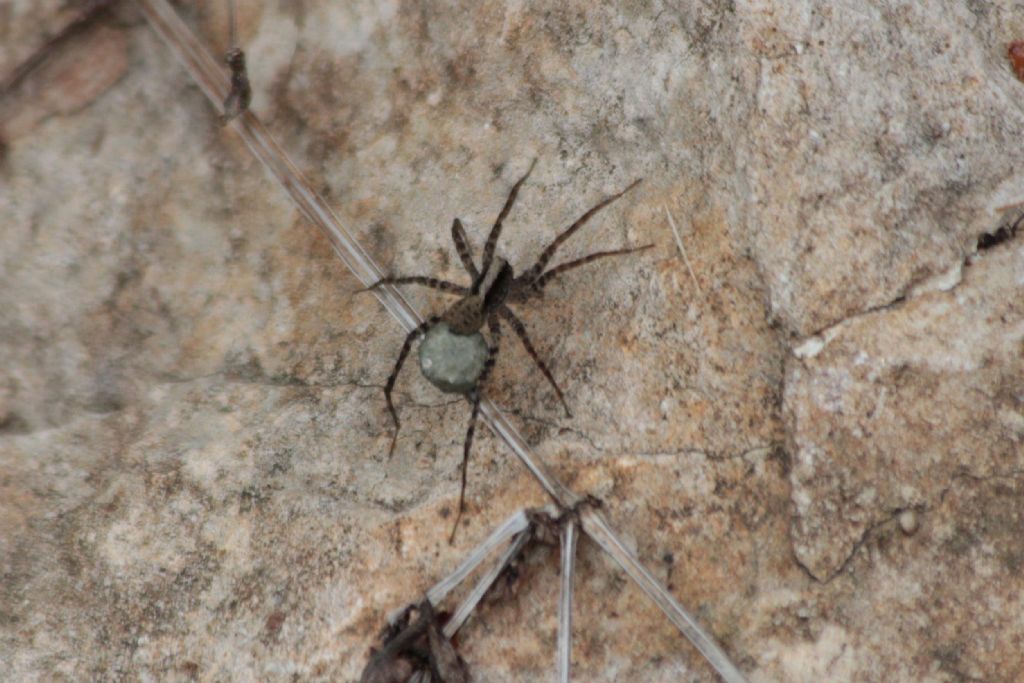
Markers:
812,431
904,401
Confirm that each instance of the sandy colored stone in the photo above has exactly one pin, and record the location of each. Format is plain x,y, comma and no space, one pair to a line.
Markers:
885,132
25,25
80,70
901,402
194,482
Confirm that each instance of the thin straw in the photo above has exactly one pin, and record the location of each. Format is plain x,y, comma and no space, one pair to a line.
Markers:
463,611
682,249
515,524
564,656
231,24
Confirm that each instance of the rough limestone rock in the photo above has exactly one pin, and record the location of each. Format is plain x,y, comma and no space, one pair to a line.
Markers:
805,412
901,403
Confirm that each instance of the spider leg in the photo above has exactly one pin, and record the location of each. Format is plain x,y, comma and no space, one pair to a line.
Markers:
520,330
431,282
409,339
492,239
462,246
474,397
547,277
546,255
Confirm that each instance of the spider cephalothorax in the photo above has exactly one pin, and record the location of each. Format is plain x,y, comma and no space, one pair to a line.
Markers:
454,355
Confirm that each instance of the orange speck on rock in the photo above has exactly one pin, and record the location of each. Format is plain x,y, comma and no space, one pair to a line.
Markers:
1016,54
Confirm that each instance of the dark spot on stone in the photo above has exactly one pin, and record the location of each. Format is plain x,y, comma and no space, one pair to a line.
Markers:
949,654
1003,233
961,542
191,670
12,423
106,400
274,623
243,366
250,497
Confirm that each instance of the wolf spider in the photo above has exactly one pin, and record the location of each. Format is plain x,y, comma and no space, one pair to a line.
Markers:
486,301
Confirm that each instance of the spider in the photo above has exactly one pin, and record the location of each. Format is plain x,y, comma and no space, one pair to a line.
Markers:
456,332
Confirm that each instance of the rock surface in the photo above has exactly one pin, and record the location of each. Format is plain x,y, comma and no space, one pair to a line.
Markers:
809,423
902,402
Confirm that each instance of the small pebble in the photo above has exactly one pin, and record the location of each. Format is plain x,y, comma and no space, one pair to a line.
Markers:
908,522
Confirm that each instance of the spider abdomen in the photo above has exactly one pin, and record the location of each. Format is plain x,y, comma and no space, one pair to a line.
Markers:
452,362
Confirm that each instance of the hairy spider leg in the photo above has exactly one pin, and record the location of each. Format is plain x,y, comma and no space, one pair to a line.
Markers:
534,272
409,339
547,277
520,330
431,282
474,398
492,238
462,247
